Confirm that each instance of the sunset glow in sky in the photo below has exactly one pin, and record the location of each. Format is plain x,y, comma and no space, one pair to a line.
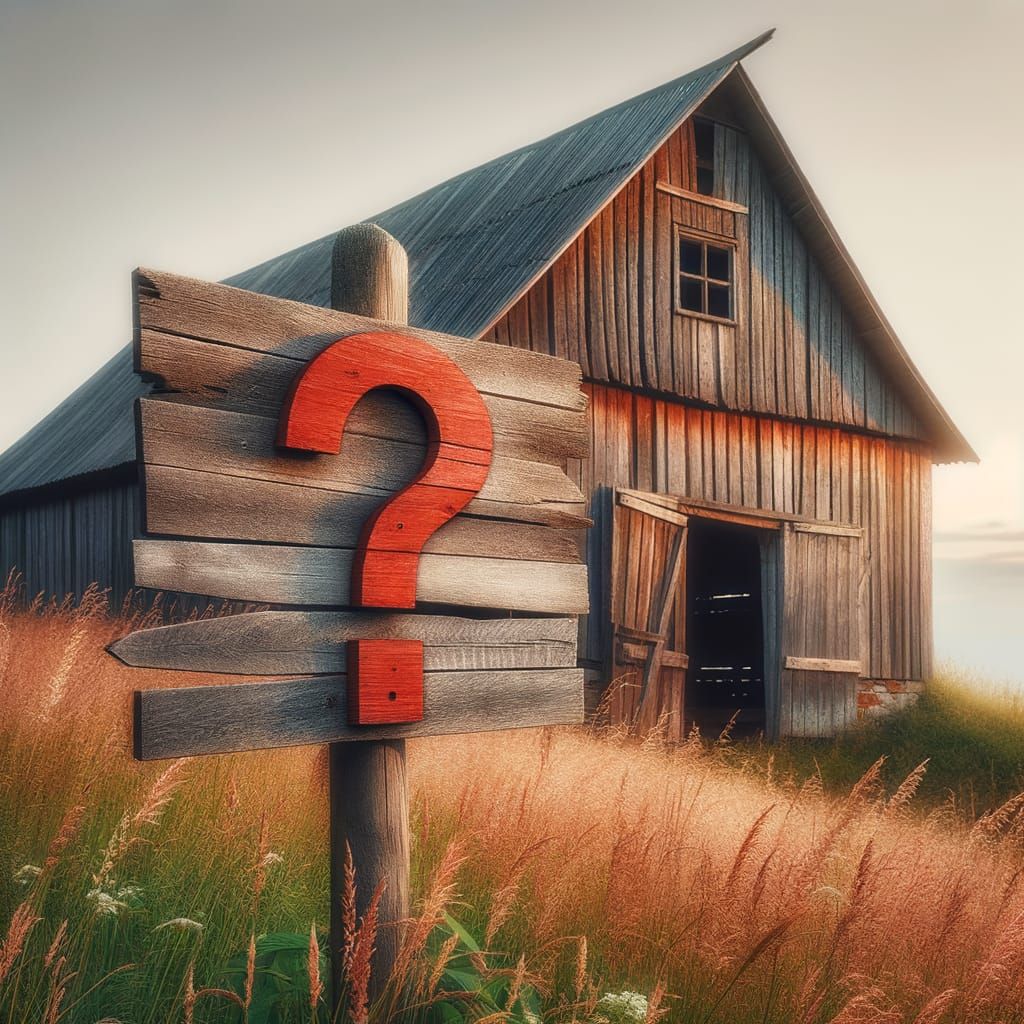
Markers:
202,138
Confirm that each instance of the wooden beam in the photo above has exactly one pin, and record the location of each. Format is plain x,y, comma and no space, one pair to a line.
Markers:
188,721
822,665
311,643
658,511
698,197
829,529
745,515
279,574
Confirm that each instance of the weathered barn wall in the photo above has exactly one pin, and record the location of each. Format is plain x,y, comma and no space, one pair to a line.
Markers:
608,303
63,542
823,473
69,538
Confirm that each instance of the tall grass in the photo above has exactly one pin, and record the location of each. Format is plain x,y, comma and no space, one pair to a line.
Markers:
585,864
970,731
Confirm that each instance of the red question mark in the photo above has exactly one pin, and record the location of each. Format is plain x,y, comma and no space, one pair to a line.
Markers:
385,677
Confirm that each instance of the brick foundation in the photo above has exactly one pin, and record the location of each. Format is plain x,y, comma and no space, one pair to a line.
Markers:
880,696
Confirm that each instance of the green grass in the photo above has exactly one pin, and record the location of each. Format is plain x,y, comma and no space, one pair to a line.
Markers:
971,734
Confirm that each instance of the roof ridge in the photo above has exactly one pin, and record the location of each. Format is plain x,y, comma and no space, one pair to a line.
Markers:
731,58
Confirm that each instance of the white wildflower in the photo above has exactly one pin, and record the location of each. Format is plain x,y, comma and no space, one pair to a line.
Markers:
181,924
27,873
270,857
128,893
106,904
623,1007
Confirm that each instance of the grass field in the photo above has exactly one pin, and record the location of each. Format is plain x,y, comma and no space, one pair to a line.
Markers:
720,883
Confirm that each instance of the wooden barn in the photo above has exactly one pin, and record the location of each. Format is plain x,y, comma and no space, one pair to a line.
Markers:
760,473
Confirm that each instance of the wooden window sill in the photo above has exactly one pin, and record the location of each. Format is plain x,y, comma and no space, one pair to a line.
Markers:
727,321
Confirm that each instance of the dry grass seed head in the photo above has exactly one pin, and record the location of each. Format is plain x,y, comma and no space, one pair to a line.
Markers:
23,921
362,959
580,980
316,987
907,789
250,972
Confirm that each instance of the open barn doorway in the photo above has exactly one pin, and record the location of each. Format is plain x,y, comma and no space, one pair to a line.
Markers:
694,601
725,628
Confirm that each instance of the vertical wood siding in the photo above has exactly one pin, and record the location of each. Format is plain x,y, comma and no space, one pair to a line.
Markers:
609,303
63,544
824,473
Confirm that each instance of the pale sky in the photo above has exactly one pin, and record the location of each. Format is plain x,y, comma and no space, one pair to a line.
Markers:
204,137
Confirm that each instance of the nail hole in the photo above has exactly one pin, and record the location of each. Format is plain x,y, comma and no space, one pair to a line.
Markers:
392,695
399,526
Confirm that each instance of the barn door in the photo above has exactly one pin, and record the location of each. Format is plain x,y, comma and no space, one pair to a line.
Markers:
648,613
820,642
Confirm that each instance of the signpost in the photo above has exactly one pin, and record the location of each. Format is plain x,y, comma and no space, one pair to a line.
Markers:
271,453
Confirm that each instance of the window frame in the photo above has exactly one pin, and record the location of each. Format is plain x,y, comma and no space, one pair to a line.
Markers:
704,239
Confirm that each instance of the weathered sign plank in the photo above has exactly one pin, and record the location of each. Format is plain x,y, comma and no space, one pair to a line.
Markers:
313,642
247,716
379,458
257,383
186,307
280,574
182,502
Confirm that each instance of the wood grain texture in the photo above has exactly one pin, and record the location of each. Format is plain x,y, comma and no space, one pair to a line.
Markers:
295,332
820,632
183,503
258,383
310,643
369,816
822,665
188,721
279,574
384,448
384,681
370,274
647,575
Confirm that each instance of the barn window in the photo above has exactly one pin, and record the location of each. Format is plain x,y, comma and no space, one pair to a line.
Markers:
704,153
704,278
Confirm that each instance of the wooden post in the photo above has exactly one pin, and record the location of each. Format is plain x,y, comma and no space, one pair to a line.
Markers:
369,797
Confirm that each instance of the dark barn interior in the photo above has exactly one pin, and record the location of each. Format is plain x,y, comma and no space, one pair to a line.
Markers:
724,628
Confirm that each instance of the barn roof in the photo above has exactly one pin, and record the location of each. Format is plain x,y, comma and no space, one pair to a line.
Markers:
476,243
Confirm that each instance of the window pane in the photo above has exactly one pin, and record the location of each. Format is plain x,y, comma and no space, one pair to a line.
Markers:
706,181
718,263
691,294
718,300
690,256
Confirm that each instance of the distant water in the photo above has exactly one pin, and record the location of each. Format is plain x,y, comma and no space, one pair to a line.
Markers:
979,616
